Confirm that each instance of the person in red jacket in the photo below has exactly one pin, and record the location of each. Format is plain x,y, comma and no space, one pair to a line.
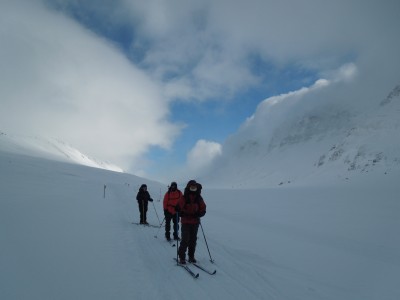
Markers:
191,208
171,200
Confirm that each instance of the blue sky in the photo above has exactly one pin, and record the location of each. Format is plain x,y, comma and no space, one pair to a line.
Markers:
140,83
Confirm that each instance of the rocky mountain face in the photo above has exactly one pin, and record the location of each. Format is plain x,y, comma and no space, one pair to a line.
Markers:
324,144
374,139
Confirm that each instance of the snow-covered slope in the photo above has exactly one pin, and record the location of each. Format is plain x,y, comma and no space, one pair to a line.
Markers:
290,141
50,149
372,144
62,237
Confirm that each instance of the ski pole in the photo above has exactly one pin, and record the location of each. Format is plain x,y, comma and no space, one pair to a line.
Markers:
156,212
177,241
212,261
143,212
159,228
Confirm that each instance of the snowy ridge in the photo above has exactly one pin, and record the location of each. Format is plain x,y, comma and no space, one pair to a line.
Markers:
374,141
324,144
50,149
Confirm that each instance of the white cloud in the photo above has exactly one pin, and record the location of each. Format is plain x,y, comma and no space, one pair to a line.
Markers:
202,155
206,45
198,160
60,80
345,73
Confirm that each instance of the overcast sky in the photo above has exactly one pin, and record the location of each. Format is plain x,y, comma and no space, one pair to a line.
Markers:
158,86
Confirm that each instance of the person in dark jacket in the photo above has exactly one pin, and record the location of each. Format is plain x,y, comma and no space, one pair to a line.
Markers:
143,198
171,200
191,208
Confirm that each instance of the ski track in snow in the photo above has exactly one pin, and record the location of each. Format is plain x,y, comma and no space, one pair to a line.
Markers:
145,246
62,239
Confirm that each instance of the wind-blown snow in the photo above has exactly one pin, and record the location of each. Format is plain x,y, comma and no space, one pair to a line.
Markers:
51,148
66,233
305,138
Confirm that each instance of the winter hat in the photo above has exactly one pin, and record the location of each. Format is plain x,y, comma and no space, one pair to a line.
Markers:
192,184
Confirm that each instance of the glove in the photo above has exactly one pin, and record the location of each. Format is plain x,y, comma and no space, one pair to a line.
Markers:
166,213
177,208
151,199
200,214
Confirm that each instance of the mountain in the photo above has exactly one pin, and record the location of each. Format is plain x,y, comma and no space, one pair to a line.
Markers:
373,144
300,139
50,149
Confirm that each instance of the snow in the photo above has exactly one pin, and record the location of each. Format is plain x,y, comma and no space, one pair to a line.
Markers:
66,233
306,138
50,148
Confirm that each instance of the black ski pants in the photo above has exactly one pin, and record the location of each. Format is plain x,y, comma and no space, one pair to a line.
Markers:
188,240
143,211
168,218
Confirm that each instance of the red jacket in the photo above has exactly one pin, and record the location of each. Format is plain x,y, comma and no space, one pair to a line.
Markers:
171,200
192,208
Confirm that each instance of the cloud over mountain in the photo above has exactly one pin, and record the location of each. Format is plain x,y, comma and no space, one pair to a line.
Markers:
287,142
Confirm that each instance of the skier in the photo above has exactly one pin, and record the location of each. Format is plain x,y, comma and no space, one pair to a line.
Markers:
143,197
191,208
171,200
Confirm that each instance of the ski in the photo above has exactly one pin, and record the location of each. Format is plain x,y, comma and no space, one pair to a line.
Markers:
203,269
146,225
193,274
